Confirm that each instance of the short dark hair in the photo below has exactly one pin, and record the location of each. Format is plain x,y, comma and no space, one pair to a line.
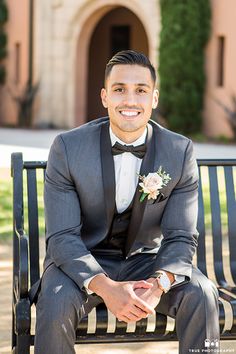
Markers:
130,57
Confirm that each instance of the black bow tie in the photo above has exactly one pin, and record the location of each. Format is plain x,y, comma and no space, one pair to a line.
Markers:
138,151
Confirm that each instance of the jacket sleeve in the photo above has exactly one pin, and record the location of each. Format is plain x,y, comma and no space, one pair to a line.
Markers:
179,221
63,220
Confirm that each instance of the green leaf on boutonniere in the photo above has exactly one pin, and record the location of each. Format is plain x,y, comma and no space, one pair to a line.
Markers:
143,196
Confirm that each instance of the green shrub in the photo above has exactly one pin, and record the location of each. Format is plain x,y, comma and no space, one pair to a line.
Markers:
184,34
3,12
2,74
3,44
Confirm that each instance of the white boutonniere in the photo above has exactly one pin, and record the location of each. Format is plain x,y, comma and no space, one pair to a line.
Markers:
153,183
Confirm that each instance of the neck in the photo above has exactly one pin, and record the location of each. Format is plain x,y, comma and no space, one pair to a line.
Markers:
128,137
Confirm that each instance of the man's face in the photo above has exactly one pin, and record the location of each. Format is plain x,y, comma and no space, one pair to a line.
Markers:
129,95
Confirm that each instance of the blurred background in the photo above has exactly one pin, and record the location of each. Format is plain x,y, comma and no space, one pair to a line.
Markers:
52,60
53,55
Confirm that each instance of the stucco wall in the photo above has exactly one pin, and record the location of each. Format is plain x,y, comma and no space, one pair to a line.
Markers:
17,32
223,24
63,30
63,36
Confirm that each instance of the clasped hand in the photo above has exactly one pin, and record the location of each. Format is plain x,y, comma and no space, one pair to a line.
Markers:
129,301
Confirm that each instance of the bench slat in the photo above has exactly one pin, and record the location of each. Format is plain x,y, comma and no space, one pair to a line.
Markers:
33,225
229,303
231,212
216,225
18,211
201,249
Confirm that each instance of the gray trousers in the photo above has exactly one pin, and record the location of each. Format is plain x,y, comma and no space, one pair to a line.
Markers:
61,305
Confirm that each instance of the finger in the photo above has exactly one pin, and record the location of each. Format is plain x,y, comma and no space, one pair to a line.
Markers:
138,317
133,313
150,279
138,312
124,319
142,284
143,305
132,317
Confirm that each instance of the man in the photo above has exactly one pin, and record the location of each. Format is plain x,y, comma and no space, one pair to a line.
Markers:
116,233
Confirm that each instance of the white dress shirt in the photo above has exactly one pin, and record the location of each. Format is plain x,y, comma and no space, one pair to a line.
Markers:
127,168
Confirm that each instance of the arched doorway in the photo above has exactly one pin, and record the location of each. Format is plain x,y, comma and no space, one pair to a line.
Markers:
119,29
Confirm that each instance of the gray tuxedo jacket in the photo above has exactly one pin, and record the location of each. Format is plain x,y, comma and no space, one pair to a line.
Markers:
80,201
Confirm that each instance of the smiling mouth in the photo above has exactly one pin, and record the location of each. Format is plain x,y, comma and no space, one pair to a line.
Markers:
129,114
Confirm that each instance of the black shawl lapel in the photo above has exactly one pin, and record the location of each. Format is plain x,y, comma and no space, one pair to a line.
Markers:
108,172
138,207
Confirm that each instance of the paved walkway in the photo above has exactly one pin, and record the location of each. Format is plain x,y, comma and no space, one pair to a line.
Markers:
35,146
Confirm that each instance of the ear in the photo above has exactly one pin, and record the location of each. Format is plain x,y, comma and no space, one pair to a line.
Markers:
155,99
104,97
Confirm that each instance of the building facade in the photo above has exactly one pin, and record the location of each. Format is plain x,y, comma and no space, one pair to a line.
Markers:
220,62
75,38
16,63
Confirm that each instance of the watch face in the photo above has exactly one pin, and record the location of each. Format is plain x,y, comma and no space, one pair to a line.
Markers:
164,282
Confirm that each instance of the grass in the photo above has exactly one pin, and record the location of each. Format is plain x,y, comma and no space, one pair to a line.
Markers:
5,209
6,197
6,203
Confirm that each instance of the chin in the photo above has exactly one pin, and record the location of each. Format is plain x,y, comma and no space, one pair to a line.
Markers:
129,127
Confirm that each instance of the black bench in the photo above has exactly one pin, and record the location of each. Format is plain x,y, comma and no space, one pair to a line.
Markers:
216,257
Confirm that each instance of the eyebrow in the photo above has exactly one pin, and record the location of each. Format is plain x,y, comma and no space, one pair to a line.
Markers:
123,84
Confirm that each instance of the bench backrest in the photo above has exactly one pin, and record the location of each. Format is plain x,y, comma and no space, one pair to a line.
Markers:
216,253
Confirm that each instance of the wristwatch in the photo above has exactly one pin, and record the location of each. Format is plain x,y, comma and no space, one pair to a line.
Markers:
163,281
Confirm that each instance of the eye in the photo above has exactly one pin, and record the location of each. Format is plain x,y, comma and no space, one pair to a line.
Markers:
141,90
119,89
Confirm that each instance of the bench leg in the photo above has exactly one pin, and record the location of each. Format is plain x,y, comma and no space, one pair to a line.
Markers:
13,335
22,317
23,344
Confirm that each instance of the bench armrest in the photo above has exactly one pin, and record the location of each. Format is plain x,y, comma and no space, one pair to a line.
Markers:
23,273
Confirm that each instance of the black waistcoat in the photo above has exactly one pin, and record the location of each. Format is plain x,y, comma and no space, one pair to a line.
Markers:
115,240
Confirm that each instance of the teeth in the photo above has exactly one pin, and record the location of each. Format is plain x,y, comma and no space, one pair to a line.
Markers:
129,113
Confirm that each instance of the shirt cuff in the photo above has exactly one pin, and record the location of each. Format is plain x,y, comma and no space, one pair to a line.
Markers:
178,279
86,285
87,282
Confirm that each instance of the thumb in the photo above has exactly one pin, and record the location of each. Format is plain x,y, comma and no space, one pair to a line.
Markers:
142,284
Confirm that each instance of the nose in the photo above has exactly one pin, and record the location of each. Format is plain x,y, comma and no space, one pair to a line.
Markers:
130,99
